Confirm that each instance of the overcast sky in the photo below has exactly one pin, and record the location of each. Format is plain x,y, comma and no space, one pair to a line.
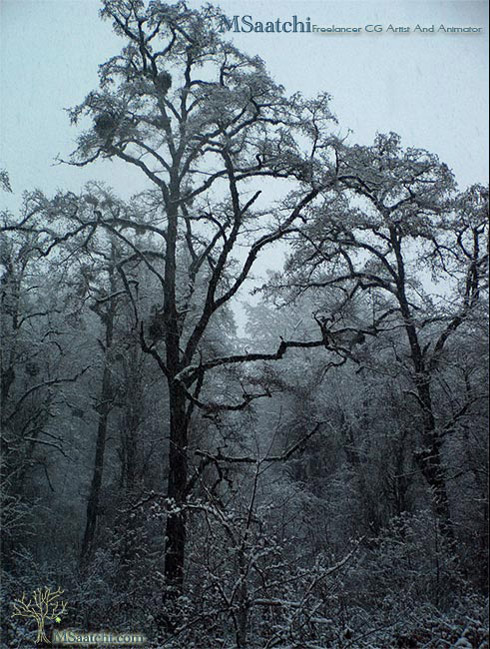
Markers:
430,88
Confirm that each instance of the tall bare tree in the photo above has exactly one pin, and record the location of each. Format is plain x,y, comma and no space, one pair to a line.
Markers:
209,130
398,222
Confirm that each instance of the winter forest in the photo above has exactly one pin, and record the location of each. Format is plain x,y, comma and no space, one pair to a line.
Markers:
307,473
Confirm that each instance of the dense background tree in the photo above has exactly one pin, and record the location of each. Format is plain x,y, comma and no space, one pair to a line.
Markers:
156,462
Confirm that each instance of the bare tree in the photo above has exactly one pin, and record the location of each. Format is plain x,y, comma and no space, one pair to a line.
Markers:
35,365
104,304
201,121
43,605
398,216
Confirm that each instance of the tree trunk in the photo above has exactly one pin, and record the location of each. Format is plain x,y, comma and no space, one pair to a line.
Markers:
41,635
177,486
94,495
133,415
104,408
175,533
430,463
429,457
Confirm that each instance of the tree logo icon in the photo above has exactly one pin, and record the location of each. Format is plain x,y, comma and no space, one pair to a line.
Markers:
44,605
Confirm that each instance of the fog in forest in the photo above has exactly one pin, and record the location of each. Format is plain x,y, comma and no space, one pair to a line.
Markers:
244,327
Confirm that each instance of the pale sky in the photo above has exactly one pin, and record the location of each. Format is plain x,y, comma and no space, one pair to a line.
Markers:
430,88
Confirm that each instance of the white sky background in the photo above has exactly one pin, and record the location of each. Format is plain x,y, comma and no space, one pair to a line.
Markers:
430,88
